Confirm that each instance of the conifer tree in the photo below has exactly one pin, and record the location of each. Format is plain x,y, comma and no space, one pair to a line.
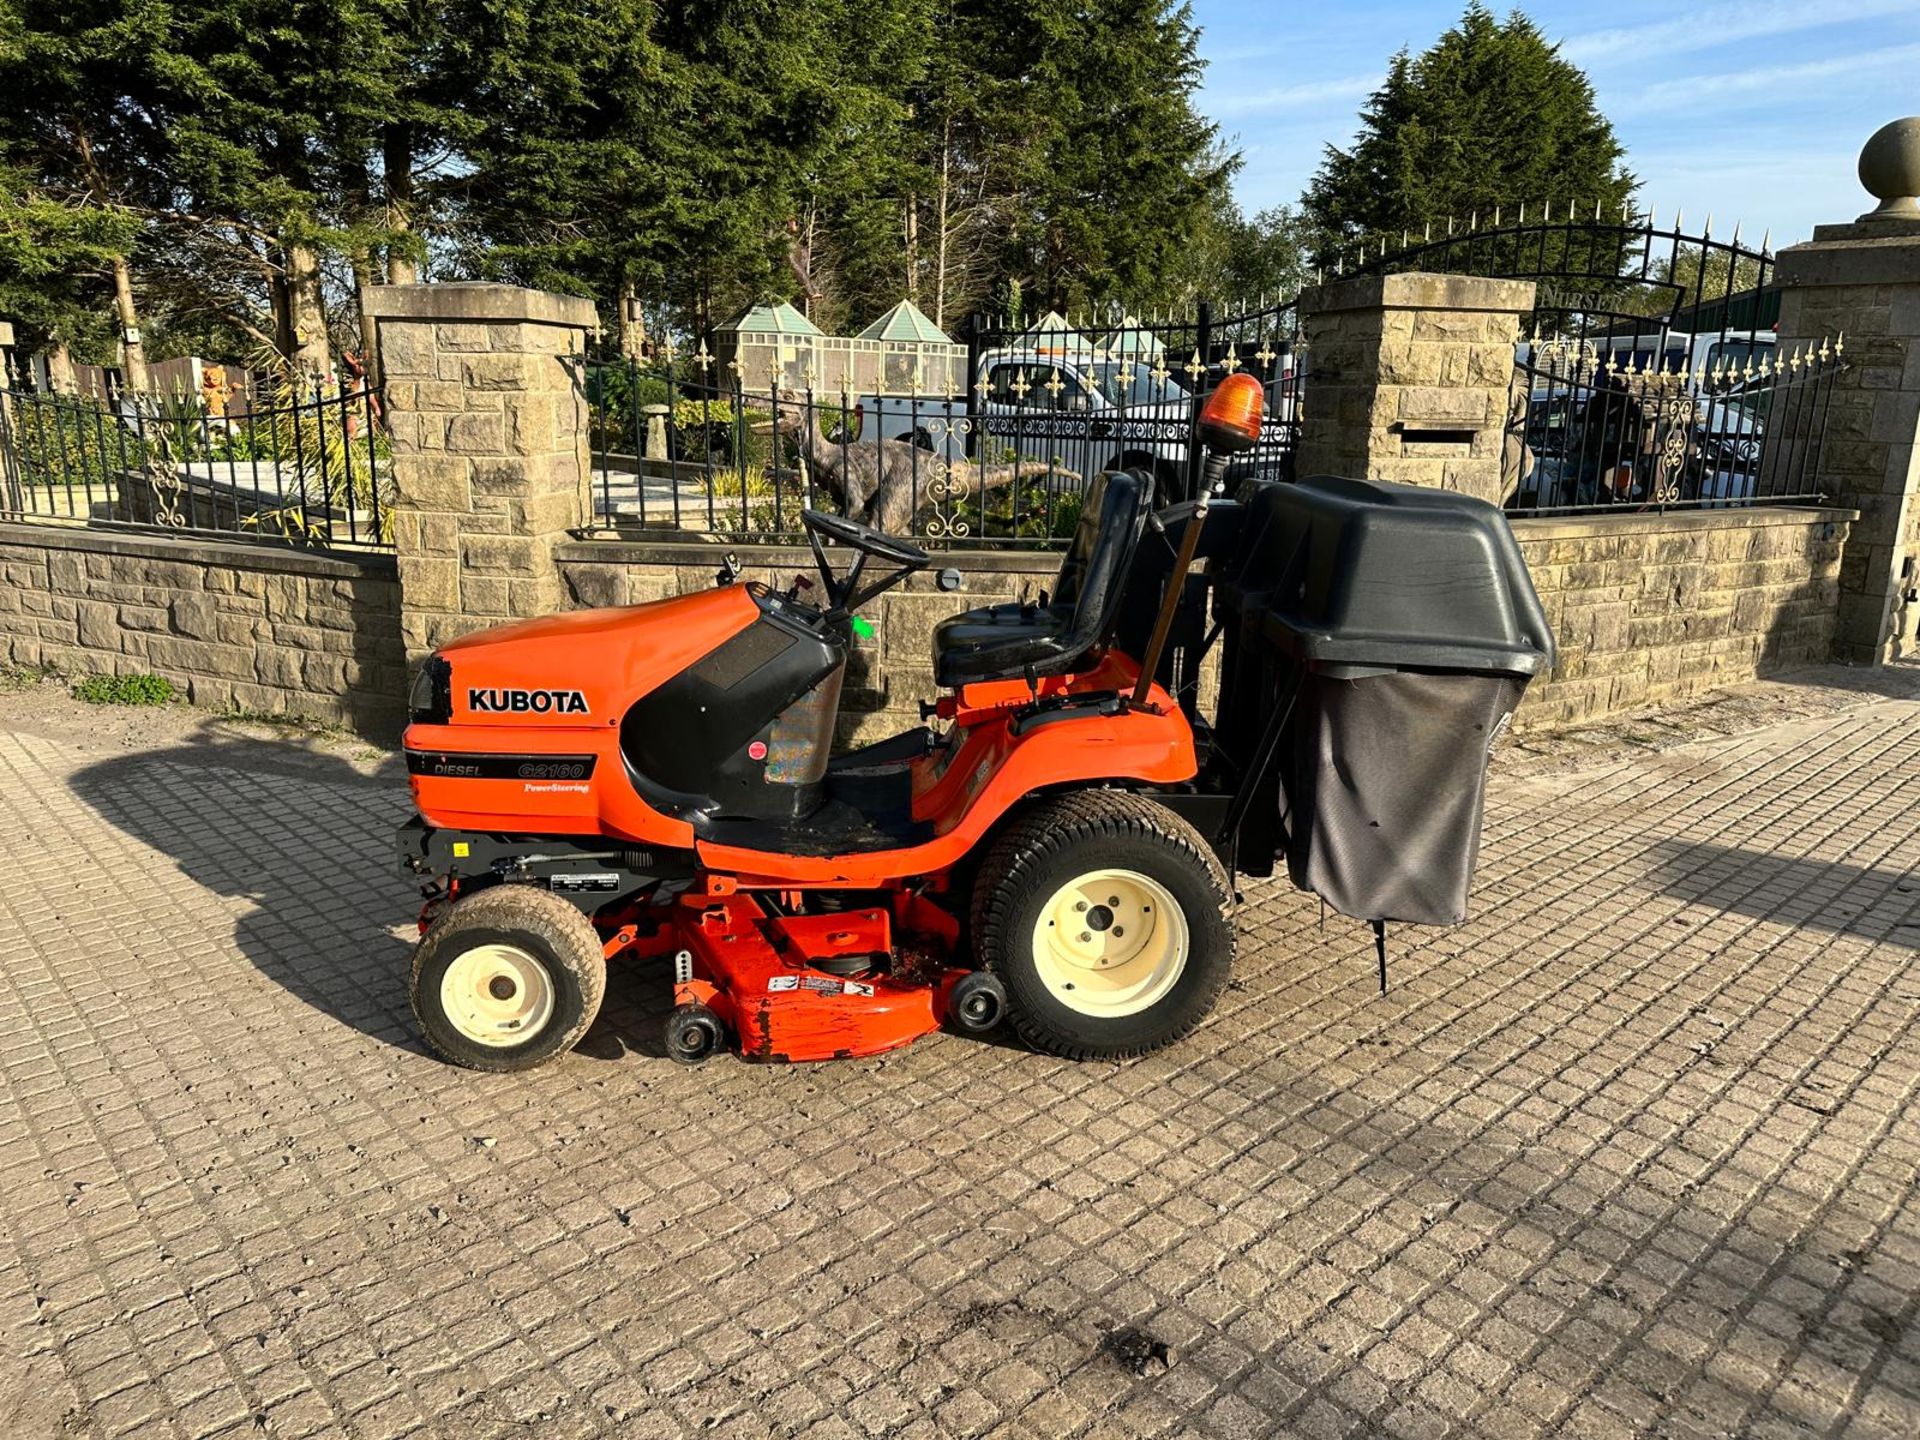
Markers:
1491,115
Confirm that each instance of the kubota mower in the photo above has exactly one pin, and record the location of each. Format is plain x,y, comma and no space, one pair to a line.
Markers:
1056,848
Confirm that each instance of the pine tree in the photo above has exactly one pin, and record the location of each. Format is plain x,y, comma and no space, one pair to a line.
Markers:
80,130
56,261
1491,115
274,112
1126,170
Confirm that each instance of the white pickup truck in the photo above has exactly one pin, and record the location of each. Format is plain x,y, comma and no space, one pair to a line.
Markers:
1083,414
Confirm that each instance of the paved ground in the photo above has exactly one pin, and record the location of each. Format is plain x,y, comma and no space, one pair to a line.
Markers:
1633,1152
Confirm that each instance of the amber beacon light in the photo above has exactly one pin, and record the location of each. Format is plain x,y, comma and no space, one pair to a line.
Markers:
1230,419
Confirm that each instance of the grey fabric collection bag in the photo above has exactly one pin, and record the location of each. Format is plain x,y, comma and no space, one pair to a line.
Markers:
1402,625
1386,786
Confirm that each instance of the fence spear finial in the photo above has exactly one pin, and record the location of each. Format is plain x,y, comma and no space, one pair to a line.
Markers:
1765,237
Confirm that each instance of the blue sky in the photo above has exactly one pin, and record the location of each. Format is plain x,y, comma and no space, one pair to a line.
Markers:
1753,111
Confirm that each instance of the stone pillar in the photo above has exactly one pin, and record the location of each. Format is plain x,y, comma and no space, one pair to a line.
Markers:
485,397
1860,283
1408,378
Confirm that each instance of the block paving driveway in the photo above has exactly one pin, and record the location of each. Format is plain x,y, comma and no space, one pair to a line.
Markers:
1633,1152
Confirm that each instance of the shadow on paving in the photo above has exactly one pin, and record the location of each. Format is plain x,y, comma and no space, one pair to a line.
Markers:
308,839
1580,1233
1826,895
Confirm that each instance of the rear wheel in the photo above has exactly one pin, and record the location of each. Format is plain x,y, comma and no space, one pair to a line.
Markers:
1105,915
507,978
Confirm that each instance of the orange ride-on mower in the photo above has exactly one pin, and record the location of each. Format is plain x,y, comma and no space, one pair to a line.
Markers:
1055,850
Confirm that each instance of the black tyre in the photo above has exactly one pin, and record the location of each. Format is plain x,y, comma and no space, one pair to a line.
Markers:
692,1033
1105,916
507,978
978,1004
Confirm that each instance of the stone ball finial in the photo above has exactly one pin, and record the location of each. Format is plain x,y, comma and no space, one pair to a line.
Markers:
1890,170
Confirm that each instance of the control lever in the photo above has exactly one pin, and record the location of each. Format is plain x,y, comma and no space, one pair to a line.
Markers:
729,572
800,583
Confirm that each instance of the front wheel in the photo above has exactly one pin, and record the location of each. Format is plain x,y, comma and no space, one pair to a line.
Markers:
507,978
1105,916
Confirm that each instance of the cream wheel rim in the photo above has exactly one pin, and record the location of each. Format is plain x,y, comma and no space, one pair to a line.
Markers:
1110,943
497,995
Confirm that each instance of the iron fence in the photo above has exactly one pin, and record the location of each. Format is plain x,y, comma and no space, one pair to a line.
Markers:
311,466
1589,435
682,442
1651,375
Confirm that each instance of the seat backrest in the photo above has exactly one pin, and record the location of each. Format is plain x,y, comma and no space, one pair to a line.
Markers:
1093,574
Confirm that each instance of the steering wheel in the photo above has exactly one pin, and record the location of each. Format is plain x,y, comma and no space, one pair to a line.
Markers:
864,541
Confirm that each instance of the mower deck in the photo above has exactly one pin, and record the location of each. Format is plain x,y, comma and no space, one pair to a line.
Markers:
809,987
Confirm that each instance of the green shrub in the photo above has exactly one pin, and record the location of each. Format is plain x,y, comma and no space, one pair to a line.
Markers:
178,421
1021,512
125,690
617,392
712,428
67,440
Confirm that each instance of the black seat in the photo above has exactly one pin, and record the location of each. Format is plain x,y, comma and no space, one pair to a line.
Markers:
1011,641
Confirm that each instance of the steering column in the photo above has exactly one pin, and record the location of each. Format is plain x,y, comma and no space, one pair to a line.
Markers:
844,593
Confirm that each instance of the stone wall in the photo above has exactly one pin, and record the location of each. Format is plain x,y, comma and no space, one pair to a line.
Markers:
1648,608
1407,380
1860,283
249,627
1645,607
